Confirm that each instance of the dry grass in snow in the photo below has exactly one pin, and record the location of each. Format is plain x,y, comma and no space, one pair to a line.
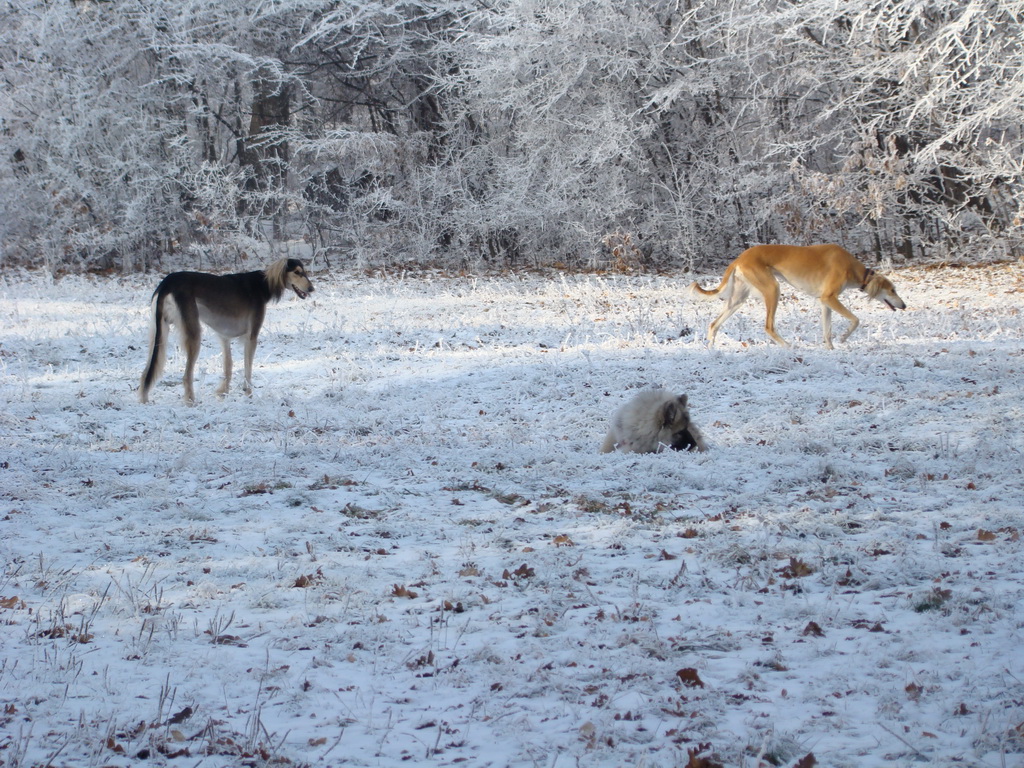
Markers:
406,549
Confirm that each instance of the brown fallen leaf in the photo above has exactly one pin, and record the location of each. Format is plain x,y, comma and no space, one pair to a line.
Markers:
180,717
689,677
696,761
813,630
796,569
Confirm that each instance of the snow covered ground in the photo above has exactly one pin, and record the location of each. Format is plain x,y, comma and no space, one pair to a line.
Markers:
404,548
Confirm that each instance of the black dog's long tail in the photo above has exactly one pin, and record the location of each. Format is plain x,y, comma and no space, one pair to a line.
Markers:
157,346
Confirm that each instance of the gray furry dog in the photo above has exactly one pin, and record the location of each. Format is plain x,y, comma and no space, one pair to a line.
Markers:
652,421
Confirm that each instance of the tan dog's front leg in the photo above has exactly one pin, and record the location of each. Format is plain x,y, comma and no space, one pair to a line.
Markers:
854,322
832,303
826,325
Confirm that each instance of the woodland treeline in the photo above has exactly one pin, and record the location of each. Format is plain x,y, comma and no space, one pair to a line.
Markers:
607,134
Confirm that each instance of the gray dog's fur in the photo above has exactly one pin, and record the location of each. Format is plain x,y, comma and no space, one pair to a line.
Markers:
652,421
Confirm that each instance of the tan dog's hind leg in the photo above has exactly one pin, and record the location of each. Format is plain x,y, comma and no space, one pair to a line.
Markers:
764,282
737,295
771,304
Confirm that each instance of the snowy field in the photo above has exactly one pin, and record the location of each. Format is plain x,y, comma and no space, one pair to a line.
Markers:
405,549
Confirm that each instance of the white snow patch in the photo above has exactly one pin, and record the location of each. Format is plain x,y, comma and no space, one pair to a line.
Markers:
404,548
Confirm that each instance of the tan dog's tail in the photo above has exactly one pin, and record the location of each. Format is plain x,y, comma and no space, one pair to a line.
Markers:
726,285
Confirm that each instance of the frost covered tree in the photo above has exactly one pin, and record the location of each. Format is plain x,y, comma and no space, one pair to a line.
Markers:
375,129
117,123
82,160
910,134
703,127
552,141
141,130
609,133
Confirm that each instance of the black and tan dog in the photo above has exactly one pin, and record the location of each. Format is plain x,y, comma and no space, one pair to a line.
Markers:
232,305
821,271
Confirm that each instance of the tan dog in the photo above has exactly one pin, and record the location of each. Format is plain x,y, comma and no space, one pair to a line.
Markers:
822,271
232,305
653,420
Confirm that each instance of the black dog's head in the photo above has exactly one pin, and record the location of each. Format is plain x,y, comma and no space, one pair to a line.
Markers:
297,279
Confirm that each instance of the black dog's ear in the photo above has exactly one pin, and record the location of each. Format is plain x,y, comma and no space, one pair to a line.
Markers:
682,401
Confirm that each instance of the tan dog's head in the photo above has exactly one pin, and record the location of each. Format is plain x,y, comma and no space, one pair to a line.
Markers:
878,287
